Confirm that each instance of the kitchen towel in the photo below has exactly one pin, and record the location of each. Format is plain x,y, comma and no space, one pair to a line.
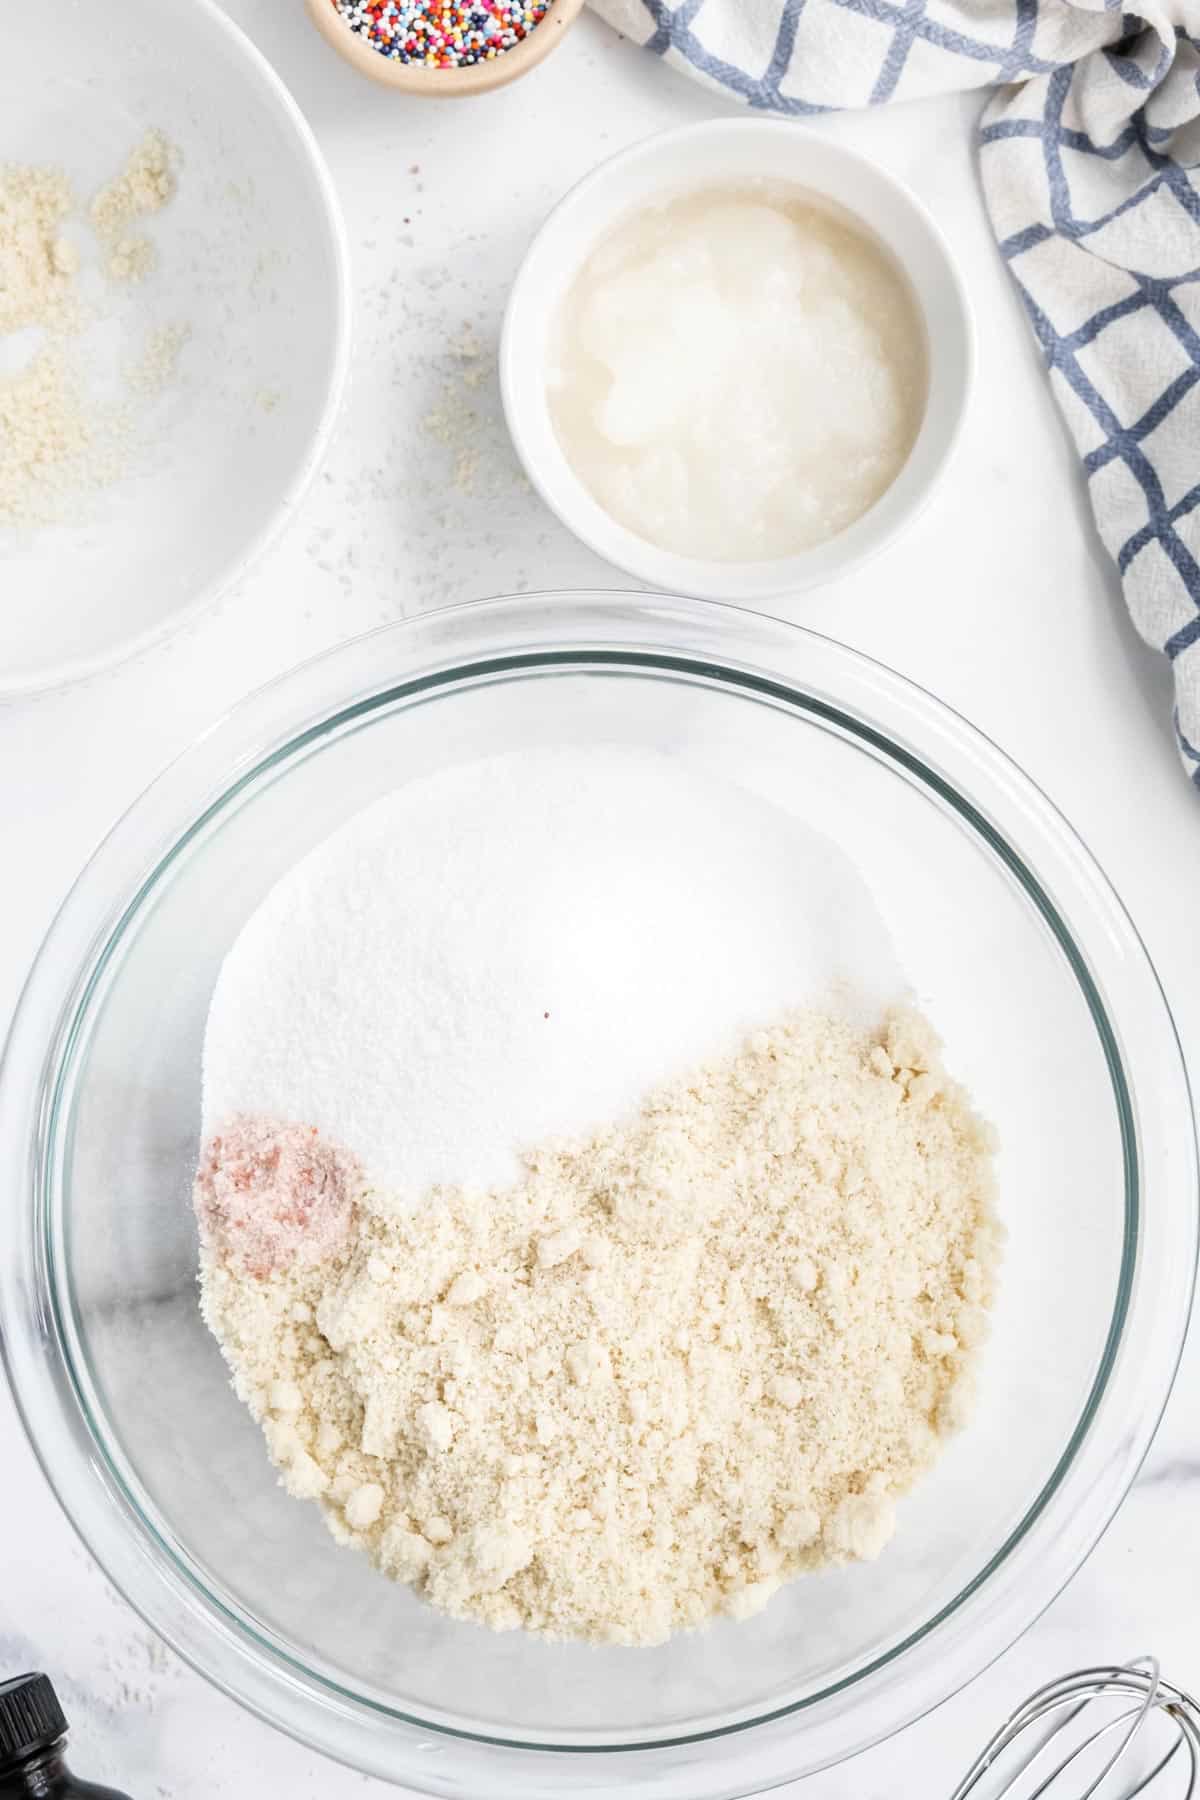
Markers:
1091,168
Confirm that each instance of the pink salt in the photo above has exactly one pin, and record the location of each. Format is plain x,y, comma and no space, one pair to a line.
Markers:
270,1194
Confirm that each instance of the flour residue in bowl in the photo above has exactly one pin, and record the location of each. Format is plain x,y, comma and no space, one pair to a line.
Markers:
71,416
586,1216
738,373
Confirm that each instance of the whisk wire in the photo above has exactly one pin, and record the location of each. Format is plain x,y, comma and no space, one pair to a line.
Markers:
1040,1706
1157,1770
1057,1708
1136,1715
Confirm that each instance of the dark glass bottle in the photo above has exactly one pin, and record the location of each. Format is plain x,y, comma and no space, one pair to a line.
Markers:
33,1733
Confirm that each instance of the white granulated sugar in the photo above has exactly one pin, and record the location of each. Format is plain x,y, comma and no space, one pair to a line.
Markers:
523,947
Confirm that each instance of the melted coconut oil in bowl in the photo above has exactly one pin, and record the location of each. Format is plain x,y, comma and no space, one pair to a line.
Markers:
739,372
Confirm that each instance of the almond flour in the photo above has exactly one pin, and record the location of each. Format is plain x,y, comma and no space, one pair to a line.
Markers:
143,187
58,439
681,1361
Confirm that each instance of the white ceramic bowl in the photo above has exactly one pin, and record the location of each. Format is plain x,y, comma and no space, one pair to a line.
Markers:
251,259
729,150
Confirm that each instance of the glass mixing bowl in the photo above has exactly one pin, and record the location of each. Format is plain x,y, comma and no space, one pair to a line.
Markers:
1015,944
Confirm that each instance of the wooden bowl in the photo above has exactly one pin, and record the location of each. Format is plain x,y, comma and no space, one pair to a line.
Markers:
419,78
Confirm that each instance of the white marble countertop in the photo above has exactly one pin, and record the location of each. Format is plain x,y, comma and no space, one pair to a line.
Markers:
1000,601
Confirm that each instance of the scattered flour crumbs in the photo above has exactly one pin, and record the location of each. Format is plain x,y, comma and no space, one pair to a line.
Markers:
677,1362
59,435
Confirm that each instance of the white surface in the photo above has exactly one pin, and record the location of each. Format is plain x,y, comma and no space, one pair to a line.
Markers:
510,950
250,263
730,151
999,599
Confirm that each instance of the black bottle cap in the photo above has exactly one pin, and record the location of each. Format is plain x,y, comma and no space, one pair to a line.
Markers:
30,1717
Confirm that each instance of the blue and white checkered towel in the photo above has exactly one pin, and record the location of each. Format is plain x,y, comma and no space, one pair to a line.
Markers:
1092,173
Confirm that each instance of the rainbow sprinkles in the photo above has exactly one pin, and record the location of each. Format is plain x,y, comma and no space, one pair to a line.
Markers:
442,36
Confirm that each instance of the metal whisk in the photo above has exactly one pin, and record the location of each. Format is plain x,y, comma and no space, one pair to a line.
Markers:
1096,1734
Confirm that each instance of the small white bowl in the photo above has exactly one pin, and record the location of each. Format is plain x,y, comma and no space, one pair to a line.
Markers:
251,264
730,150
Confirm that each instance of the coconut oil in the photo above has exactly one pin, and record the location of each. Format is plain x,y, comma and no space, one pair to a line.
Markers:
738,372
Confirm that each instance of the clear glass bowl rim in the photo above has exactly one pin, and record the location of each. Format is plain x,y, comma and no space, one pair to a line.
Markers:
776,659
